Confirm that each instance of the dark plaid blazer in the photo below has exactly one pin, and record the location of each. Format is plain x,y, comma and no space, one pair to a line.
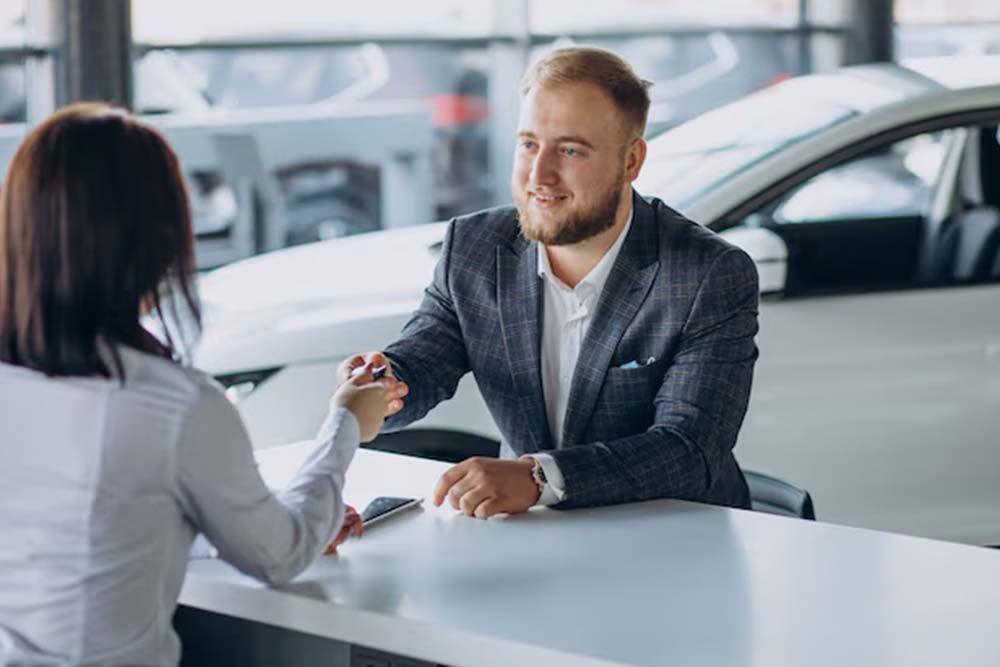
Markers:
677,294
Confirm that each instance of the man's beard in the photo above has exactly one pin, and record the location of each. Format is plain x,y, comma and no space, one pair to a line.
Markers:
577,226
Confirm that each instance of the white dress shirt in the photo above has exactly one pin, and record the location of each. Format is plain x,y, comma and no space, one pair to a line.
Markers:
104,486
566,315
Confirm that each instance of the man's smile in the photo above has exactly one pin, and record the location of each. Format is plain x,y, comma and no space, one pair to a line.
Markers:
547,199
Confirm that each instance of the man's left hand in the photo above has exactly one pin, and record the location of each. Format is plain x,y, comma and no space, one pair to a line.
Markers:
483,487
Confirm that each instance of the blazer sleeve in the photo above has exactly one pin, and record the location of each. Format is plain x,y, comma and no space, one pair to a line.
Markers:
430,354
699,406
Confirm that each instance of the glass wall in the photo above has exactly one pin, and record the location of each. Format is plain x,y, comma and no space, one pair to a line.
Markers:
384,66
929,28
13,107
306,120
26,88
567,16
190,21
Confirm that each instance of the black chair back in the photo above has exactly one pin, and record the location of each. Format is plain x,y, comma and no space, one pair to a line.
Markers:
434,443
776,496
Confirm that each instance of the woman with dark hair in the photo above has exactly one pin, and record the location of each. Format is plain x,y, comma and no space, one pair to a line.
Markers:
114,454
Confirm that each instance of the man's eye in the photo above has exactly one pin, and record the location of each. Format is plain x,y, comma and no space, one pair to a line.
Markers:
572,152
528,144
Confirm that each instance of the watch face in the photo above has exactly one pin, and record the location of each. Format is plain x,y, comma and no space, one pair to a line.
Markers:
538,472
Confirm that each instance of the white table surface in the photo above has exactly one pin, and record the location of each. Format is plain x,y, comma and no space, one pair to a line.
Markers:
657,583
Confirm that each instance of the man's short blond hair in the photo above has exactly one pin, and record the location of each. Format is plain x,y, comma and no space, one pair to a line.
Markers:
602,68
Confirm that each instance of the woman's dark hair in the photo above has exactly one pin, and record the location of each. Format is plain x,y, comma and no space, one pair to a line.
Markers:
95,231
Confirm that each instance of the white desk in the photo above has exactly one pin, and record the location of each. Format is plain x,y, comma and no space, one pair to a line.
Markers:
658,583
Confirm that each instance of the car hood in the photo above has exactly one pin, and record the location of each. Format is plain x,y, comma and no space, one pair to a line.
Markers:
316,301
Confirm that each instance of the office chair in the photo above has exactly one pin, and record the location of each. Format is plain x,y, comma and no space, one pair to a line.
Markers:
776,496
436,444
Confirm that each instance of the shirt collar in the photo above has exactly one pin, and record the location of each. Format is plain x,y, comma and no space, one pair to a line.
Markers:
600,272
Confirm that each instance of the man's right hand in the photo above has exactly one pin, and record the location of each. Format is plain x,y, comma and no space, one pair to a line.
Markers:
394,389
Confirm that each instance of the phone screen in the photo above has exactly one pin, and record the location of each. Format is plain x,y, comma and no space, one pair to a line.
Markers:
384,505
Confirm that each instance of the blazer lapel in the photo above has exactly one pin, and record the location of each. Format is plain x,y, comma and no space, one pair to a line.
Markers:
520,307
628,284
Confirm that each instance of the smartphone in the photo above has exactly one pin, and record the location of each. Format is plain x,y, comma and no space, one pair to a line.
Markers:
386,506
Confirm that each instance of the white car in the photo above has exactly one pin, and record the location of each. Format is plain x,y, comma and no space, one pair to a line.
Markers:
870,200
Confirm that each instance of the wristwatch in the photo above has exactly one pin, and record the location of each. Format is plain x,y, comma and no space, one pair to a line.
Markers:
538,475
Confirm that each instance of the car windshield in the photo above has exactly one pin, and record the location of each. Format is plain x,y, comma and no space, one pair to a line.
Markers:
689,161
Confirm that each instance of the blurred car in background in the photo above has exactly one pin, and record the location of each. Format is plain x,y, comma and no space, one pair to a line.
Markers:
869,199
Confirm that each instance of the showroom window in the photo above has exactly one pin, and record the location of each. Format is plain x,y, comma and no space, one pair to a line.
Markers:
929,28
308,120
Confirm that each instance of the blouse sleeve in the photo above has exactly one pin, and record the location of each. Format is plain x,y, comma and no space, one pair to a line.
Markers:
271,537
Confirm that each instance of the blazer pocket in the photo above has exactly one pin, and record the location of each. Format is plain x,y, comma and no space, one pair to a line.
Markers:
632,385
635,372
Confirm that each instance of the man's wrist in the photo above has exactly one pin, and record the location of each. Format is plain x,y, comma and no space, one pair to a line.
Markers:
537,475
537,478
554,490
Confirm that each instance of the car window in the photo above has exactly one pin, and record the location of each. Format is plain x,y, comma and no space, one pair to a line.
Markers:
877,221
894,181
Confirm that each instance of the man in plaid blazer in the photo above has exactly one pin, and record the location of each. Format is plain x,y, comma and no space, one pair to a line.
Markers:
611,338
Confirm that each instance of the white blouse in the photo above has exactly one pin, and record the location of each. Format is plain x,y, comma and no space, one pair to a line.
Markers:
103,488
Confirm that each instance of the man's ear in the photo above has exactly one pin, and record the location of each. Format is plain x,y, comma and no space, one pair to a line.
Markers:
635,156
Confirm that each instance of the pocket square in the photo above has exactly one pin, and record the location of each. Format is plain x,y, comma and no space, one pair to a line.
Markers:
635,363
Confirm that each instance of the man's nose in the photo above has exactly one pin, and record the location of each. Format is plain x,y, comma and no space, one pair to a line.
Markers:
543,168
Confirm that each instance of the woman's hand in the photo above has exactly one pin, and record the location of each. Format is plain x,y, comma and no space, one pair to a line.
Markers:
366,399
352,526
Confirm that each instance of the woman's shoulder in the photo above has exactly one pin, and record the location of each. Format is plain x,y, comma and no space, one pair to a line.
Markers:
166,380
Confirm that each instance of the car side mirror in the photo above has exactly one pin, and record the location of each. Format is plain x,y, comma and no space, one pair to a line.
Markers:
768,252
